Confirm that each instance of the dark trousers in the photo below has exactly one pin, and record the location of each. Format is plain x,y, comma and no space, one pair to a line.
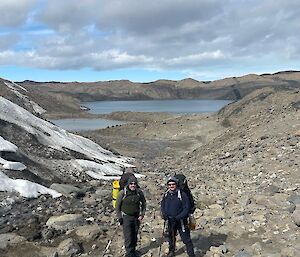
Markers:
185,235
131,226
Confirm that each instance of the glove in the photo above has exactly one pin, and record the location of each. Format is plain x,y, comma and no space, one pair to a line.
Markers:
121,221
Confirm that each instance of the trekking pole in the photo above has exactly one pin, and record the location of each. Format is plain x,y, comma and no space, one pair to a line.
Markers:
162,237
174,238
109,242
139,231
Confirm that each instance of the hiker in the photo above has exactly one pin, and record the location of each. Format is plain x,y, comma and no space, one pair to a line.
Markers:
120,184
130,209
175,209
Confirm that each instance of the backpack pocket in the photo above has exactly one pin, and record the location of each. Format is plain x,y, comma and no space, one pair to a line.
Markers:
191,222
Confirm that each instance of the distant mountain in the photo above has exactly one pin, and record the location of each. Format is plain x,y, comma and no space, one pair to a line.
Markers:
53,96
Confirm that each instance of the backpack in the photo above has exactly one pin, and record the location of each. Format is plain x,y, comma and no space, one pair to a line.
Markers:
119,185
183,186
124,179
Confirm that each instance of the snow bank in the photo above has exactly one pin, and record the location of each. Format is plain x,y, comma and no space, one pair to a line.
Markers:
24,187
15,88
6,146
55,137
8,165
98,170
108,165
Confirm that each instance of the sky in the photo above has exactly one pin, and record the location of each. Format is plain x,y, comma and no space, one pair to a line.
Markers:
142,40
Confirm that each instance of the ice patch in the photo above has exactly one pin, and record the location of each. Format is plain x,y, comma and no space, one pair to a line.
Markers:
24,187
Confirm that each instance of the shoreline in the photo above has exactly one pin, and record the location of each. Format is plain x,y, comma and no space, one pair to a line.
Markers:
125,116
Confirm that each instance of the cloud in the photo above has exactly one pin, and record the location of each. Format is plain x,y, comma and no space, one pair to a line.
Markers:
7,40
130,16
182,34
14,12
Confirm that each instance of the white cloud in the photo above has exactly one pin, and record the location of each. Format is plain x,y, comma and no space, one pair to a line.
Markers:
15,12
7,40
196,58
183,34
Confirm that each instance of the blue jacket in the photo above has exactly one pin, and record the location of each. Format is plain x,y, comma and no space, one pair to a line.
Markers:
174,207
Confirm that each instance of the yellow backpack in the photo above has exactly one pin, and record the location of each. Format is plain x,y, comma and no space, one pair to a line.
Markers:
115,191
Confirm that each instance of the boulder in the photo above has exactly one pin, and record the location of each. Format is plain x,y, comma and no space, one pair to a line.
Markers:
10,239
69,247
65,222
296,216
89,232
65,189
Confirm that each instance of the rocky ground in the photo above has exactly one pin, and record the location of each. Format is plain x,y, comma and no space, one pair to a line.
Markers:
243,168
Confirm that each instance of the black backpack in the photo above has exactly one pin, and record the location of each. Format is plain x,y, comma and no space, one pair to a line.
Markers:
183,186
124,179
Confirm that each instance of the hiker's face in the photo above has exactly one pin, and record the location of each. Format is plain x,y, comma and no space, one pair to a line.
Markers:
172,185
132,186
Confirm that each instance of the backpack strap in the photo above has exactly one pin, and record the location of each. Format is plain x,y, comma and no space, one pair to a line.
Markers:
165,194
138,192
179,195
124,193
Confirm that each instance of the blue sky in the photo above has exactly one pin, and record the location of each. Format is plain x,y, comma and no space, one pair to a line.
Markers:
96,40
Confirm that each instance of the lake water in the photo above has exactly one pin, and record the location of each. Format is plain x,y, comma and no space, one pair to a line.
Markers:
105,107
85,124
171,106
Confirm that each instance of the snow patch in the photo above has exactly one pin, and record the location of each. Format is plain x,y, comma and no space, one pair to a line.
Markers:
6,146
24,187
14,87
8,165
106,169
106,166
50,135
101,176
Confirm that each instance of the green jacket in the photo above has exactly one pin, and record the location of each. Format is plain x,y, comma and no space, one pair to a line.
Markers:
131,203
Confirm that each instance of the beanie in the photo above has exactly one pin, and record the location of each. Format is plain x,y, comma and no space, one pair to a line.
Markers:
172,179
132,179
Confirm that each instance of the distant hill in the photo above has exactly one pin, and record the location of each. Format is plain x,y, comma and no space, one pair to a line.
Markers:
53,96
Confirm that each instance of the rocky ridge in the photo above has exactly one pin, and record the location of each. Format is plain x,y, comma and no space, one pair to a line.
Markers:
56,96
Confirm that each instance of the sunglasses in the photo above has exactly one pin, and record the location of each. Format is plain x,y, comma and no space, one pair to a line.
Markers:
132,183
171,184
